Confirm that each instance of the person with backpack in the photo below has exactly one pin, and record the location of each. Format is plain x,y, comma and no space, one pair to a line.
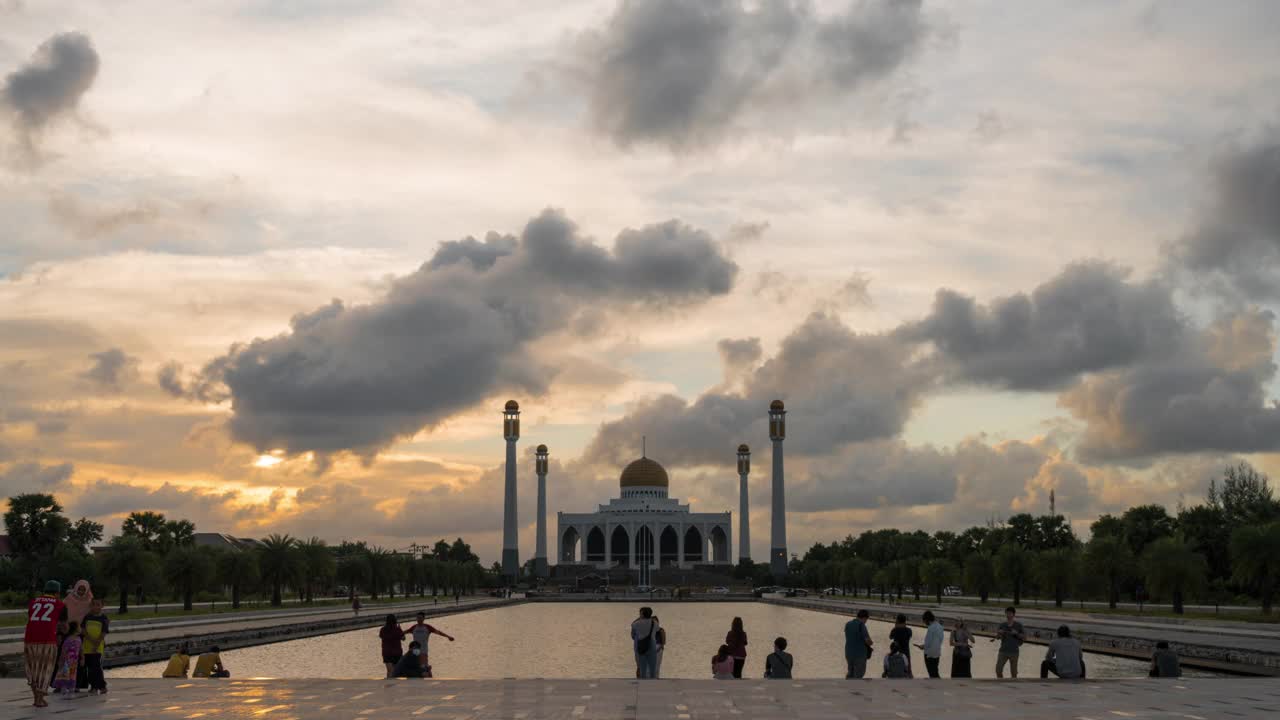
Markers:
778,665
896,664
643,632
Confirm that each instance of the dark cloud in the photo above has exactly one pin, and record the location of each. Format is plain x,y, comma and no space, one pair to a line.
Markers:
59,73
739,354
105,497
681,73
1235,247
1088,318
111,369
1210,394
447,336
481,255
881,473
840,386
31,477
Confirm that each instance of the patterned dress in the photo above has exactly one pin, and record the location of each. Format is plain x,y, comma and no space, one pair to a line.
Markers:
65,679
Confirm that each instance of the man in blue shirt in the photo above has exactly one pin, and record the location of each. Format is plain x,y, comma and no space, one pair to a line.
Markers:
857,645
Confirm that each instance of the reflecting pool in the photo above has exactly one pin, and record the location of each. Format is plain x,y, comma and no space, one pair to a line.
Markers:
590,640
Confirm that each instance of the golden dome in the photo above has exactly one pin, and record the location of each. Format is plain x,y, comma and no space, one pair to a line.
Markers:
775,405
512,406
643,473
743,449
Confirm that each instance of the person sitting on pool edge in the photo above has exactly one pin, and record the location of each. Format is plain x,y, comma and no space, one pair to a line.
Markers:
209,665
408,667
778,665
179,663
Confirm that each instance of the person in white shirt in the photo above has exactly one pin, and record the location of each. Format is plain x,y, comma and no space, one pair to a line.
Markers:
932,645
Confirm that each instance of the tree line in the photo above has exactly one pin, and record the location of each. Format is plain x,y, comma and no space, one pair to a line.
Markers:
1224,549
156,557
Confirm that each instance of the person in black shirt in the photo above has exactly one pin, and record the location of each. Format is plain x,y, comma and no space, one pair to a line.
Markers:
408,666
901,634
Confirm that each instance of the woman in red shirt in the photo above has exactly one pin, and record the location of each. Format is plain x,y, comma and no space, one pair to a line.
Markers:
736,639
40,641
391,636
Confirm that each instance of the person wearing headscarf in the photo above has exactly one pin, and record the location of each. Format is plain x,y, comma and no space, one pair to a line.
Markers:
78,601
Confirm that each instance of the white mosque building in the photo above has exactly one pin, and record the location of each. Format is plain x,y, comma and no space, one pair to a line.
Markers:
644,528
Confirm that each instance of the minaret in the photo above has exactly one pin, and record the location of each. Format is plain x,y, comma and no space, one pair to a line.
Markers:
540,568
778,540
744,523
510,529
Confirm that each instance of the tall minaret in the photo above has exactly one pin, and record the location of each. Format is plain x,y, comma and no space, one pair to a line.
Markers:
510,529
778,540
744,523
540,568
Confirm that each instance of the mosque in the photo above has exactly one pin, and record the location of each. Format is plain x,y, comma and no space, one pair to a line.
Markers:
643,530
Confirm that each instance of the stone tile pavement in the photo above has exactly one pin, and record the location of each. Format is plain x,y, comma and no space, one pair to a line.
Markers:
1188,699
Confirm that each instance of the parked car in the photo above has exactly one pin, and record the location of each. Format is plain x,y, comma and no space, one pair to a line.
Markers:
832,591
951,591
720,590
644,589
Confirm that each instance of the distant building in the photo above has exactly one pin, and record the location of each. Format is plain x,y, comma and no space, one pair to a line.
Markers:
223,541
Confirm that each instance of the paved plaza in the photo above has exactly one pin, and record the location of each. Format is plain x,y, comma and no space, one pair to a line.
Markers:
1188,699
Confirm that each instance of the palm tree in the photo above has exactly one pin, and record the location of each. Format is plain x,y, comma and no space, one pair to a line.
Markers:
238,570
354,572
883,579
186,568
1013,565
1109,558
1172,567
980,573
939,573
319,565
381,570
128,563
1058,569
1255,559
278,563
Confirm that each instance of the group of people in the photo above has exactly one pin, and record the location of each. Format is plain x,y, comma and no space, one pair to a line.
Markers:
1063,658
208,664
415,663
649,641
63,642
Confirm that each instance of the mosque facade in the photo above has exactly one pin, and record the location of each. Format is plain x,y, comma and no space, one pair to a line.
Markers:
644,528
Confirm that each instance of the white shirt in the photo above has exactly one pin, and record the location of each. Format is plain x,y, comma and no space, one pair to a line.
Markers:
933,640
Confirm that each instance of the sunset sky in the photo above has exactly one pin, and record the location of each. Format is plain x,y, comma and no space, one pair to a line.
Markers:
275,266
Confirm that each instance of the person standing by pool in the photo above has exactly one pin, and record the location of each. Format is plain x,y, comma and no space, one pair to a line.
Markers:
422,633
660,638
643,630
95,629
64,680
391,636
857,645
1010,633
901,634
961,651
779,663
932,645
79,601
736,639
355,605
40,640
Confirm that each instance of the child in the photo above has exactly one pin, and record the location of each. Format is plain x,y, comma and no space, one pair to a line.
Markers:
179,663
95,629
722,664
64,681
896,665
209,665
778,665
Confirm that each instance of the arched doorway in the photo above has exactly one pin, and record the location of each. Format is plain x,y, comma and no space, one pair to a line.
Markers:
569,546
668,547
595,545
719,545
693,545
620,546
645,548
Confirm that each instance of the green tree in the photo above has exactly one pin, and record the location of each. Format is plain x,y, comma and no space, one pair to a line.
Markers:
1245,497
381,569
864,572
129,565
1255,553
1057,570
1173,569
148,527
36,526
980,573
188,568
1107,524
939,573
318,566
1109,559
1207,529
883,580
1013,567
354,572
909,575
238,570
278,563
84,532
1144,524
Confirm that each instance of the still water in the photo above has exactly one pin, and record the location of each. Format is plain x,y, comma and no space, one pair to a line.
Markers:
590,640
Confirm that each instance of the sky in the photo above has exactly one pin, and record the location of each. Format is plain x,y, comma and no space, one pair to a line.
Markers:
275,266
